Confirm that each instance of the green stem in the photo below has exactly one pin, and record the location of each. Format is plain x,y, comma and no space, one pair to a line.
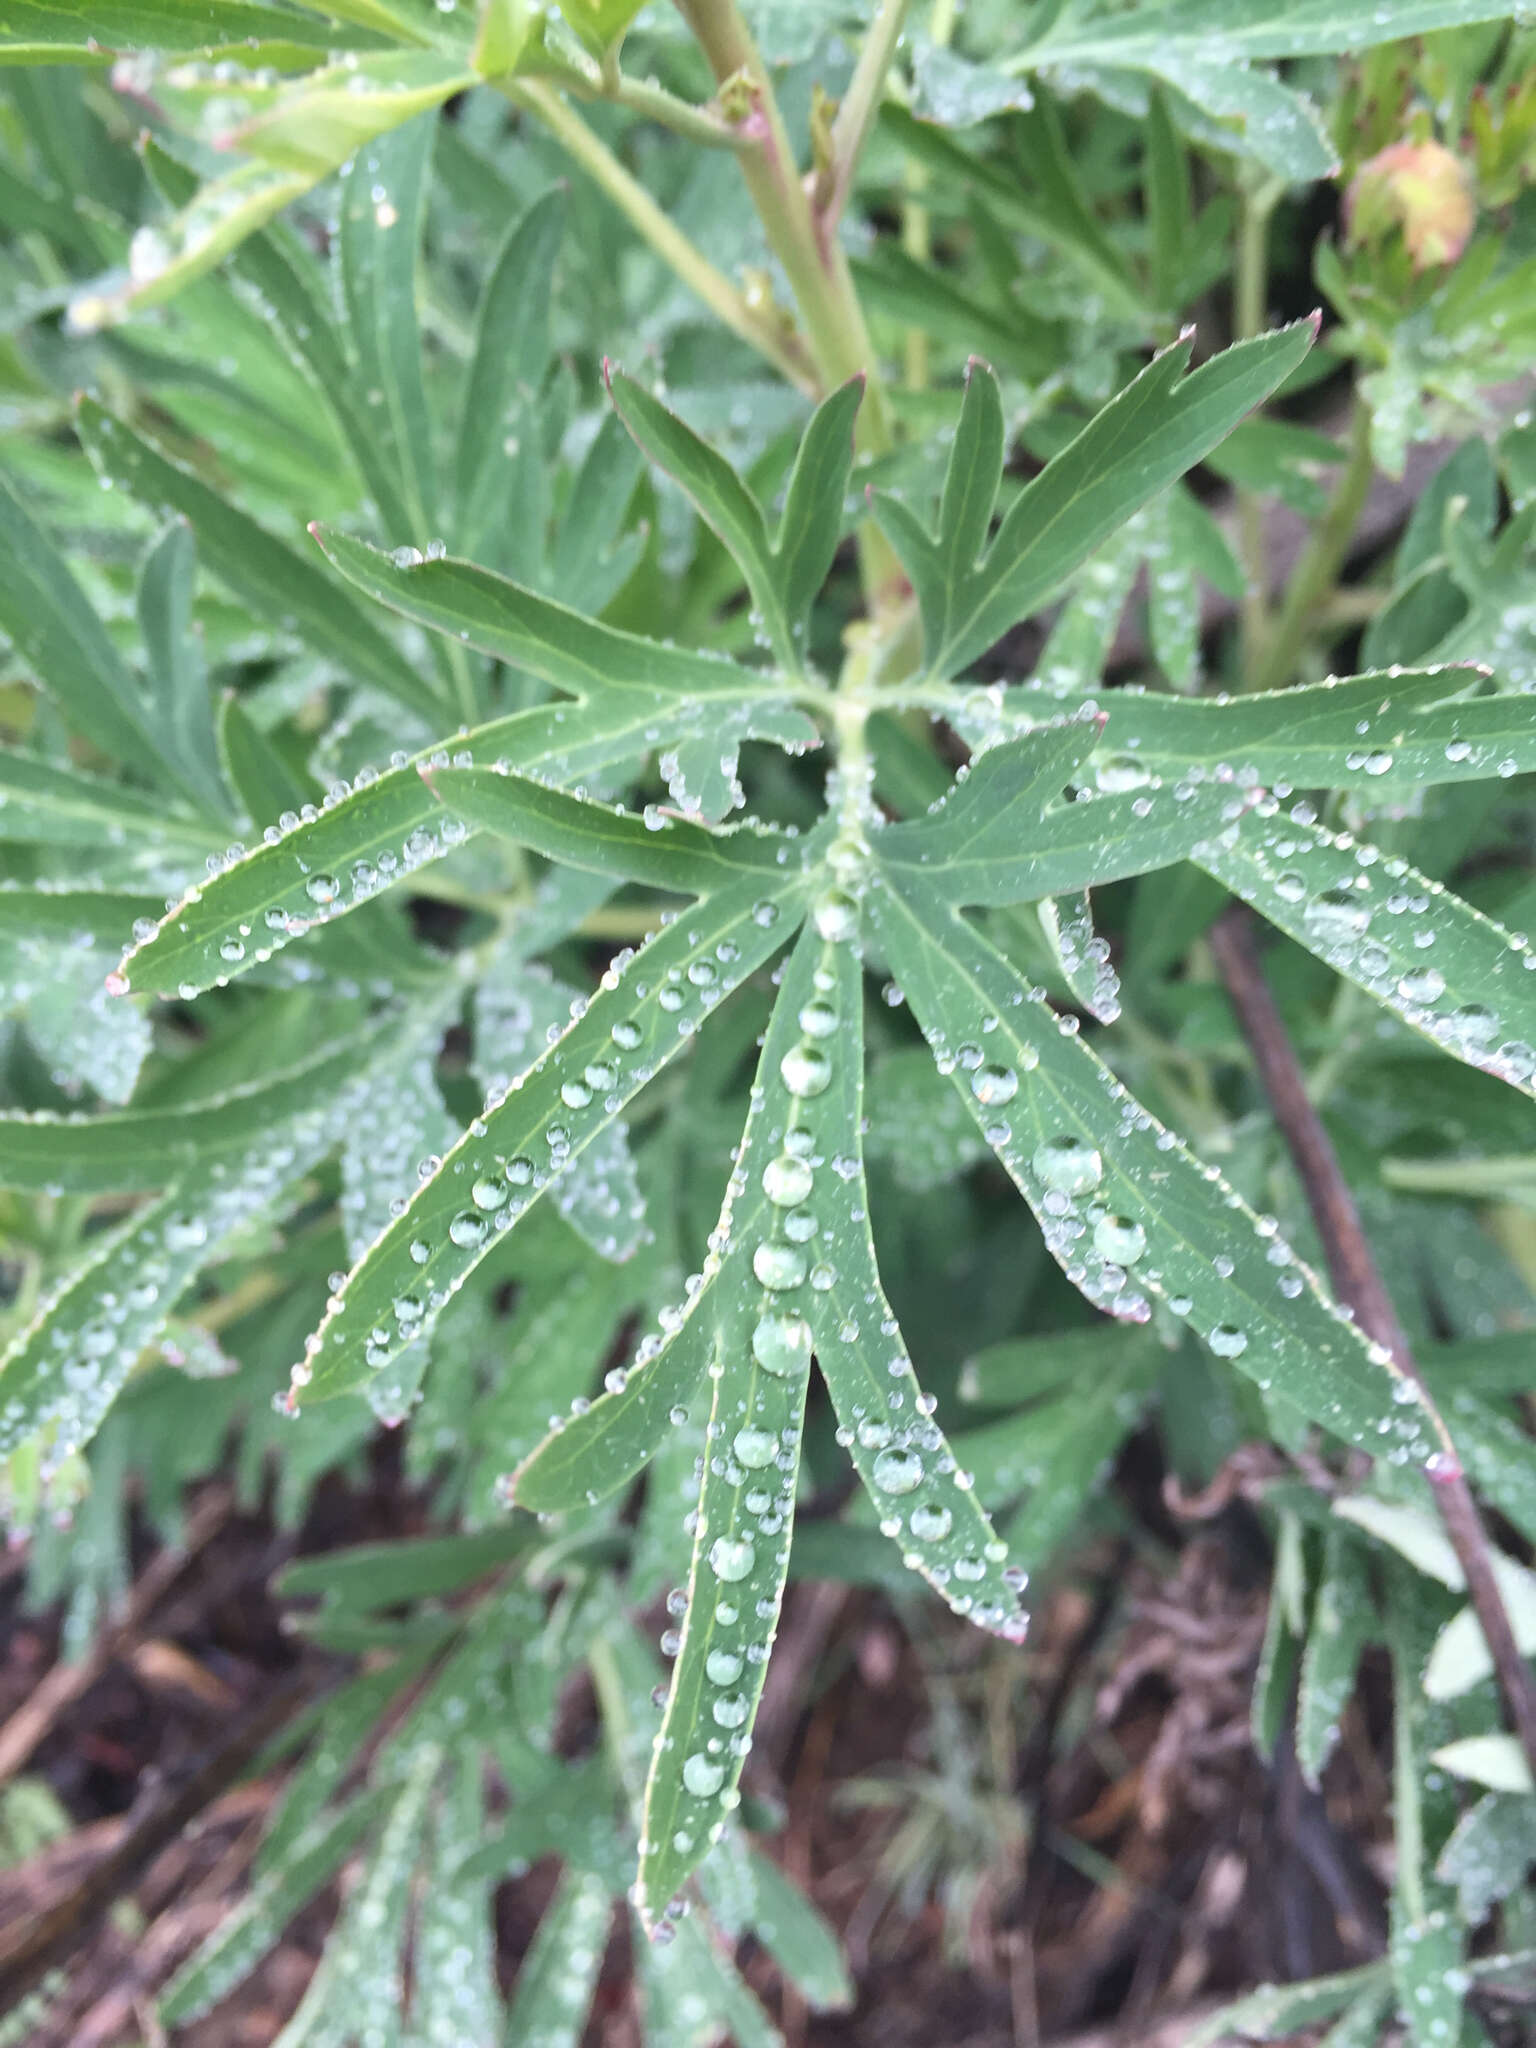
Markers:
654,103
861,103
815,266
670,243
1318,569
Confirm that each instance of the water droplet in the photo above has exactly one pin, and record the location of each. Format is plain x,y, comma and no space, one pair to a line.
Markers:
732,1557
930,1523
321,888
779,1265
702,1775
722,1667
836,917
1119,1239
781,1344
1337,914
1068,1165
468,1230
730,1711
626,1034
994,1085
898,1471
787,1181
1228,1341
487,1194
806,1071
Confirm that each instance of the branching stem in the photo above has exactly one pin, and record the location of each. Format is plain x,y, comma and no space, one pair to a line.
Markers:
1357,1282
761,330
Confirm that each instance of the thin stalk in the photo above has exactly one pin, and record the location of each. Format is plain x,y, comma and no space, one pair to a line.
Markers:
644,97
670,243
861,103
1358,1283
1325,553
1249,311
915,223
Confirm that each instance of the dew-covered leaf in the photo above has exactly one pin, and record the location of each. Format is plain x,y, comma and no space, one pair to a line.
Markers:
1445,969
64,645
282,589
1344,1619
50,804
926,1503
559,1972
510,357
522,1145
667,853
1125,1208
453,1972
1490,1852
916,1126
178,680
1141,442
87,1039
1006,834
62,1372
254,1925
382,196
135,1150
79,31
399,1126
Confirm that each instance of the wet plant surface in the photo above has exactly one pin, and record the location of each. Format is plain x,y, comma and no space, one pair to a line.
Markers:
767,1023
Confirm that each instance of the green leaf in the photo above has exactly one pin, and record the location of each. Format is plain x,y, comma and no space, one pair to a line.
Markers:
164,261
1497,1761
1124,1207
62,1372
1461,1658
382,198
135,1150
319,122
246,1933
521,1146
1275,2011
178,681
925,1501
1142,441
1343,1621
559,1972
1003,834
43,802
282,589
666,853
72,31
511,354
61,640
1489,1854
1452,974
783,574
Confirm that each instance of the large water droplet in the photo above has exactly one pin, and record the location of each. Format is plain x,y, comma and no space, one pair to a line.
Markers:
898,1471
468,1230
1069,1165
755,1448
732,1557
779,1265
781,1344
806,1071
994,1085
730,1711
702,1775
1228,1341
929,1523
1336,914
787,1181
722,1667
836,917
321,888
1119,1239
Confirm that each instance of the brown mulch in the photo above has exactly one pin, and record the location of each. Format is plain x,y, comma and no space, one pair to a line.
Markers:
1118,1857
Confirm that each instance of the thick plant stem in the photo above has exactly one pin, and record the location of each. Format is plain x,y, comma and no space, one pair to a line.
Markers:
670,243
1319,566
1357,1282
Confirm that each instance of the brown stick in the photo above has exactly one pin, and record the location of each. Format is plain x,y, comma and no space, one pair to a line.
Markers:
1357,1282
65,1683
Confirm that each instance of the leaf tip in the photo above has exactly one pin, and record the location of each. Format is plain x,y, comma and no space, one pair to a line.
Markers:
116,982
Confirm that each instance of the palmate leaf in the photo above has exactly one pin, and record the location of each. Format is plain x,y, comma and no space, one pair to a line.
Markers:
1142,441
1125,1208
633,695
641,1018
